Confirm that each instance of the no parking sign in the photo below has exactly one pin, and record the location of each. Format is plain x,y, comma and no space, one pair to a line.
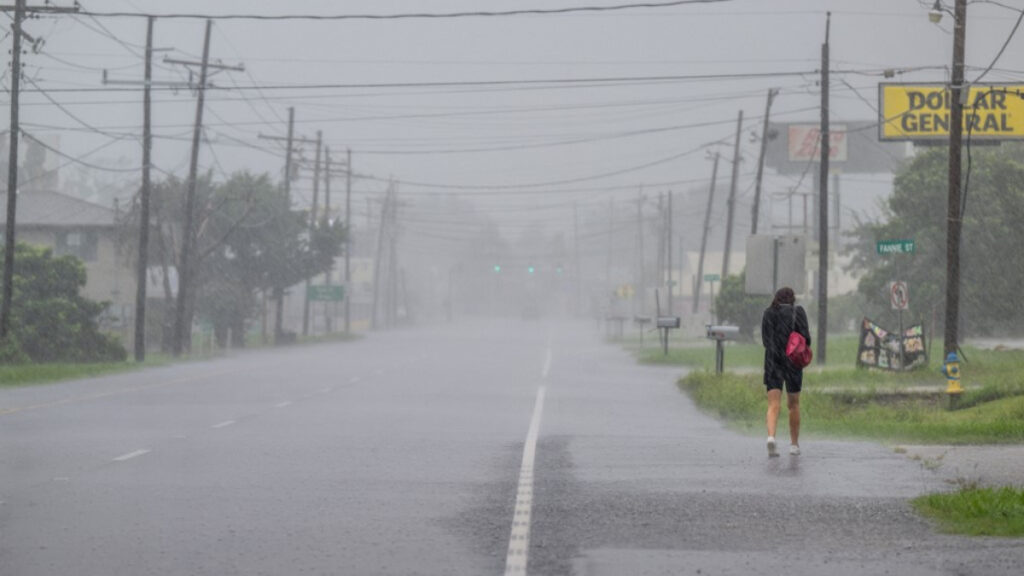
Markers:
899,296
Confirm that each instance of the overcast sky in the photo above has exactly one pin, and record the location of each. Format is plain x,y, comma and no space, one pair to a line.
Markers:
512,144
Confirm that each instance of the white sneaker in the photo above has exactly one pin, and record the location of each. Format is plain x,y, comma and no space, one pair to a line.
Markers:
772,452
794,450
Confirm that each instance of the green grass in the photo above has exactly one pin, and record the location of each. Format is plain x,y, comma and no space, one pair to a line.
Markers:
977,511
840,351
12,376
864,412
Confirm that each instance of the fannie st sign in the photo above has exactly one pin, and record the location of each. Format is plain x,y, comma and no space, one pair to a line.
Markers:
920,112
895,246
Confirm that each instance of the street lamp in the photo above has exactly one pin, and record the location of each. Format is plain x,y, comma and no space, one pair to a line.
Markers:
935,14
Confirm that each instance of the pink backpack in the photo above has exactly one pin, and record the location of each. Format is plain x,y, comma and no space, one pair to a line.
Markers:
796,348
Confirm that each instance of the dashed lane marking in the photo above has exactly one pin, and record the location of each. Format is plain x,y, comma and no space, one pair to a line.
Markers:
131,455
223,424
283,404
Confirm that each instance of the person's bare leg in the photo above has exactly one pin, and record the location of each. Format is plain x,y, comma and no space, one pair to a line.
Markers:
793,403
772,418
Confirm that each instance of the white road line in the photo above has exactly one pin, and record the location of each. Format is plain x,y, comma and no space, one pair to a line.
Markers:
224,424
283,404
519,542
131,455
354,379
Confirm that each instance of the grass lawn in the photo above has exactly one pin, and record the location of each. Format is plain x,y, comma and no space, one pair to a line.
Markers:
28,374
976,511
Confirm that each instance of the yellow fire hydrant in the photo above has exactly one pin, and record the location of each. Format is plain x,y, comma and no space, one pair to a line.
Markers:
951,368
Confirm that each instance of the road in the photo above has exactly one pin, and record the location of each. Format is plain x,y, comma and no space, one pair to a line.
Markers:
482,447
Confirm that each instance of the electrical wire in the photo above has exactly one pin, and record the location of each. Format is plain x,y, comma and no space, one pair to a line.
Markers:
408,16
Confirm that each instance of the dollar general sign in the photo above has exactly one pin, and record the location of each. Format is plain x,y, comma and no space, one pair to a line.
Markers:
920,112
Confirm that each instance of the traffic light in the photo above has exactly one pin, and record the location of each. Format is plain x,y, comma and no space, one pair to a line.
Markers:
530,269
559,269
497,268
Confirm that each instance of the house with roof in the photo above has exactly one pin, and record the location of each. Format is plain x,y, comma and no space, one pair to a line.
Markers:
71,226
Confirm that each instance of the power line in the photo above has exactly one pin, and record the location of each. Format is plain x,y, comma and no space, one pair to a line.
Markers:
409,15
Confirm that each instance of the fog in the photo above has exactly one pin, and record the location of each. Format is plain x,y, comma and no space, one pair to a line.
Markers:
513,141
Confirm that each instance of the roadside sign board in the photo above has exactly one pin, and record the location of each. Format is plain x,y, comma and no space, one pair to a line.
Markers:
899,297
895,247
712,277
324,293
920,112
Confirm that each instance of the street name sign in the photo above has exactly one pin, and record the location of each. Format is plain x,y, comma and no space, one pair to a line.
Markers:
895,247
712,277
324,293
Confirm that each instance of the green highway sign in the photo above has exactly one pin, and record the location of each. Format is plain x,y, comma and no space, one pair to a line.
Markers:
712,277
895,246
325,293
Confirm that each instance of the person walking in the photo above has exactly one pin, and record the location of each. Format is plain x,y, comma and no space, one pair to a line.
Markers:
781,318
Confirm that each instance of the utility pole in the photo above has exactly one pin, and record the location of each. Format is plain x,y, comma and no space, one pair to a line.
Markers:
668,258
826,145
20,10
147,146
608,259
333,309
12,171
756,210
576,252
189,240
289,141
380,251
183,306
312,228
704,236
731,206
642,281
348,241
954,212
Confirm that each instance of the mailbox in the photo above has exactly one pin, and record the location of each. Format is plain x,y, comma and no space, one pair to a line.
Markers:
668,322
641,320
723,332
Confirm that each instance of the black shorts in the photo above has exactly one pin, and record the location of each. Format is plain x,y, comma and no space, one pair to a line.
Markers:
774,377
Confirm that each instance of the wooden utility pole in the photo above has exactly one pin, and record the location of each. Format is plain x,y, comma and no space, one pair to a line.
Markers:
954,212
380,252
186,268
12,172
755,212
826,145
312,227
329,309
181,331
731,206
641,280
704,236
20,11
576,254
147,146
668,257
348,241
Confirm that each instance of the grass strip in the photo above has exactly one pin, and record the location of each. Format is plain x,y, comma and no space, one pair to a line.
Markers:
12,376
868,413
976,511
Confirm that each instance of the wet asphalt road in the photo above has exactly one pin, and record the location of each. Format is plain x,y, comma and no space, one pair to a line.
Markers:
404,454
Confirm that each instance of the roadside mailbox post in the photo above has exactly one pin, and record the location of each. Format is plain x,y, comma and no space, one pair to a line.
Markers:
666,323
642,322
720,334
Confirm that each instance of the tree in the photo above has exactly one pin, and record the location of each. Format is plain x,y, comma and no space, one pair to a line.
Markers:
991,265
55,323
734,306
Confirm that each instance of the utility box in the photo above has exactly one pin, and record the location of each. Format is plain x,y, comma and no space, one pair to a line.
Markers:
774,262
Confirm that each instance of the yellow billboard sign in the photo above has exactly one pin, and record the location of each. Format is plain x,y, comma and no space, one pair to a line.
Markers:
921,112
